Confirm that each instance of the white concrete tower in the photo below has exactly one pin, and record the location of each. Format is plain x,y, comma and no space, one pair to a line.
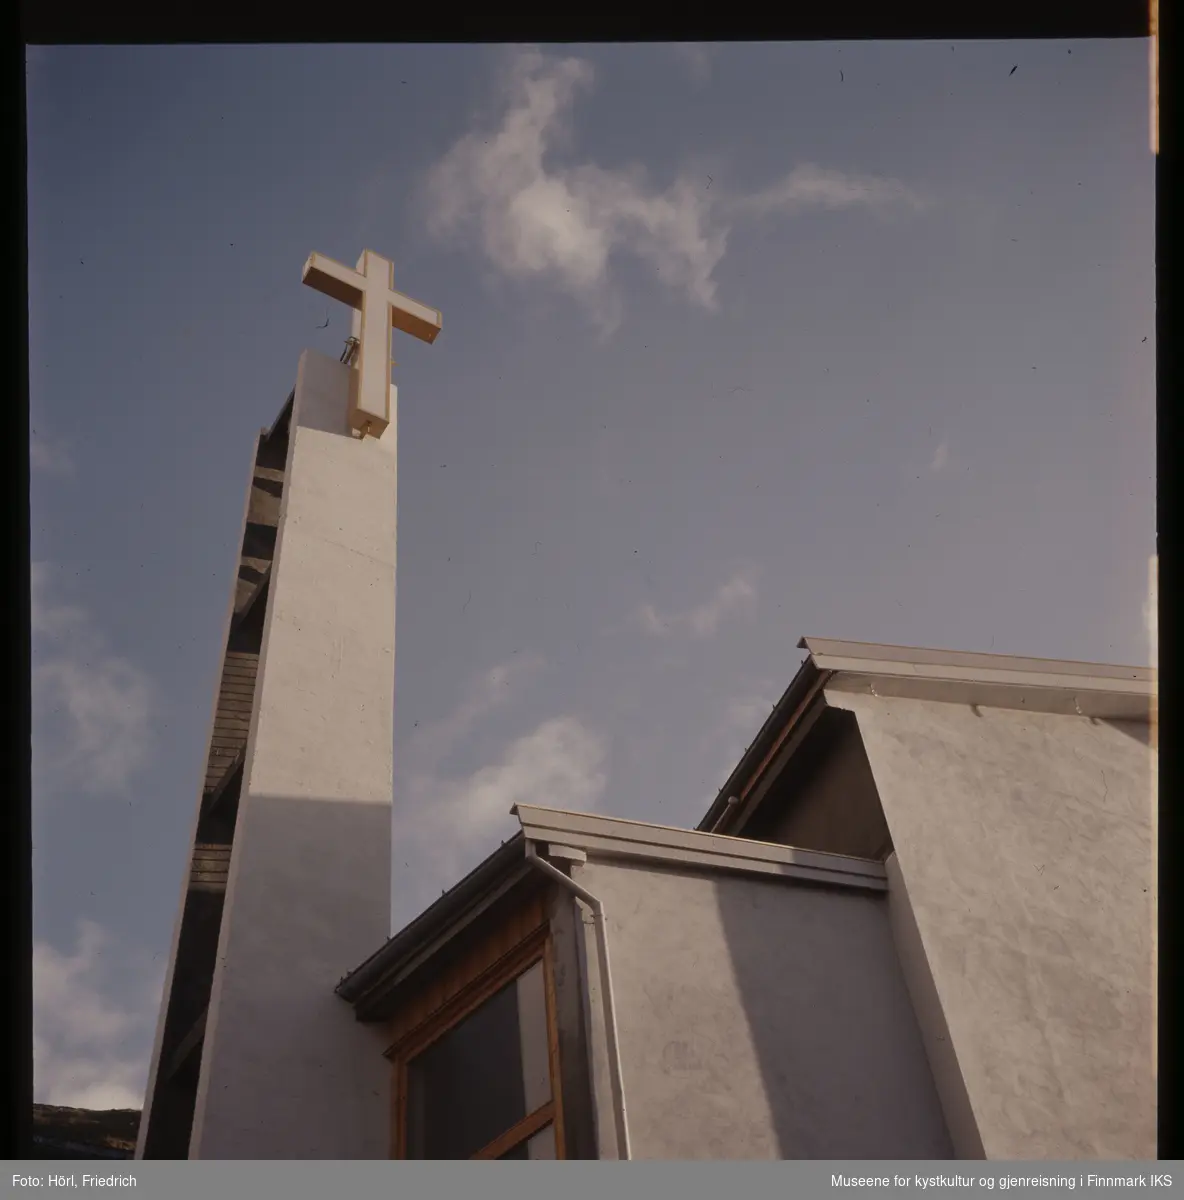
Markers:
290,883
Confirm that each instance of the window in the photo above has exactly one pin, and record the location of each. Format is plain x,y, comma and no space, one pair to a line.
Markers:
480,1079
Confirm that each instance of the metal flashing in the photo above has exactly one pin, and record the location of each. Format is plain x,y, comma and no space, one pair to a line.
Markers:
871,658
616,838
1099,690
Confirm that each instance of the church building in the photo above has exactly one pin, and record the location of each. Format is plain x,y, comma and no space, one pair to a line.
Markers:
917,922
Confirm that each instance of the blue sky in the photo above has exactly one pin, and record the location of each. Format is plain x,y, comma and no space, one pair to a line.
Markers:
741,343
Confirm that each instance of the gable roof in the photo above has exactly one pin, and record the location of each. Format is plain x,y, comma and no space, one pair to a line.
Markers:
369,985
954,677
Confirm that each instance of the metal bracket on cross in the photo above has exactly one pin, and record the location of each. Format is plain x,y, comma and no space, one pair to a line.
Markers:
378,308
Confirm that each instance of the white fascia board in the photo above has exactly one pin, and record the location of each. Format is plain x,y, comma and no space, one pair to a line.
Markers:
1073,697
855,663
615,838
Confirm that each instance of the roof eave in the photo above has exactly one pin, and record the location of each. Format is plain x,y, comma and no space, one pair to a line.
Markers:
764,744
363,986
1098,690
866,658
606,838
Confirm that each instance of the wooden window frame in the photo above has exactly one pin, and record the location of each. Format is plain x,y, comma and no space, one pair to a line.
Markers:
534,948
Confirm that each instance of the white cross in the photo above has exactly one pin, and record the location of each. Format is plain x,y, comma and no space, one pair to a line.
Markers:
379,308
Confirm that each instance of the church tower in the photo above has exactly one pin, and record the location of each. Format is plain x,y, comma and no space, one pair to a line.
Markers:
289,878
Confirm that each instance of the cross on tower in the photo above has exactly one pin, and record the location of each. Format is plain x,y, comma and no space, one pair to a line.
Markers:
370,291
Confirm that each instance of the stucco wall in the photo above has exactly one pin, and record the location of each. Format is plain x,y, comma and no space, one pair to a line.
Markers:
1024,842
287,1072
762,1019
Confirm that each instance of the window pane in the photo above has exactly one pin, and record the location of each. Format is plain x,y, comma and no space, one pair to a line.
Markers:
532,1032
542,1145
467,1087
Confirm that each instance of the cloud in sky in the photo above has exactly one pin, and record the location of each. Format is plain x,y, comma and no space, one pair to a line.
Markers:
92,708
941,457
740,719
534,219
746,714
558,764
808,186
48,456
431,743
696,57
447,820
703,620
94,1015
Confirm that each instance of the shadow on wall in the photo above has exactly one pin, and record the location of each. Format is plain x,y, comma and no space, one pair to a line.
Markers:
309,901
315,871
1140,731
830,1022
1023,841
290,1072
259,541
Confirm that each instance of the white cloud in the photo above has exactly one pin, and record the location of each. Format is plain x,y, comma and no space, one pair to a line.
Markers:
94,1014
447,820
696,57
536,220
746,714
559,764
809,186
431,743
92,708
941,457
49,457
739,723
48,618
740,720
704,620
